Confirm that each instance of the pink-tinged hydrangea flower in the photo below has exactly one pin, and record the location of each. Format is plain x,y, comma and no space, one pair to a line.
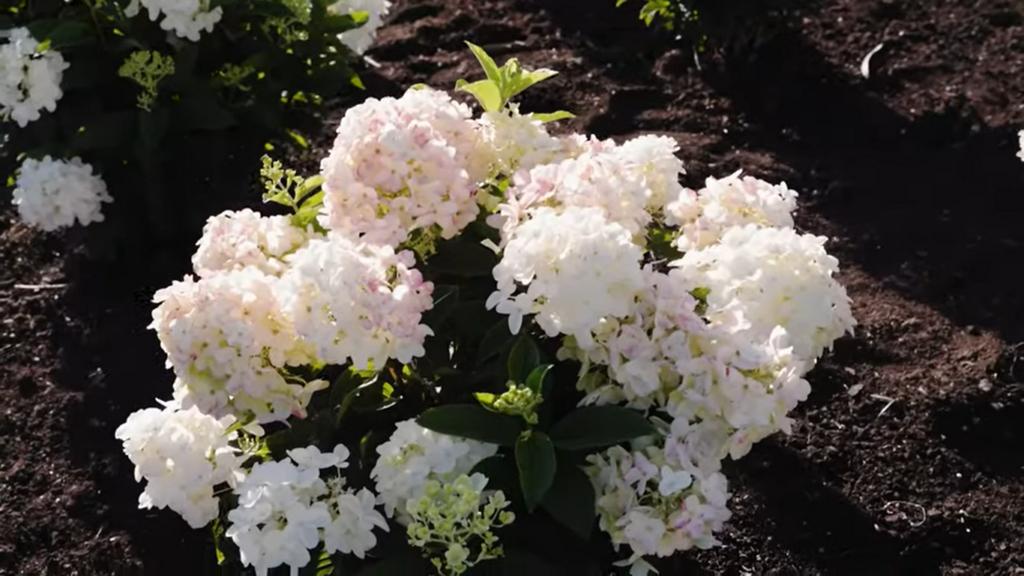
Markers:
182,454
648,502
513,141
357,302
705,215
570,268
761,278
403,164
228,339
233,240
627,183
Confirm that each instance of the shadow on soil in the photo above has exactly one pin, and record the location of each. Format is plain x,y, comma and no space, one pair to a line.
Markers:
930,205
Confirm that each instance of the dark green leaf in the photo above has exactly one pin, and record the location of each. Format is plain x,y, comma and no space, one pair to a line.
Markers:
462,258
69,33
501,473
522,360
598,427
535,381
535,459
571,500
494,341
472,421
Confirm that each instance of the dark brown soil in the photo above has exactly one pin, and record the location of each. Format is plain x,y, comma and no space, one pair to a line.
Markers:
909,456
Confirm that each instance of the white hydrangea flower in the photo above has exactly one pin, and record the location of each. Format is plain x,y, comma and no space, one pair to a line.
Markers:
182,454
514,141
52,194
663,354
354,517
228,339
29,79
360,39
186,18
413,455
281,511
571,268
403,164
647,501
233,240
654,160
357,302
704,216
762,278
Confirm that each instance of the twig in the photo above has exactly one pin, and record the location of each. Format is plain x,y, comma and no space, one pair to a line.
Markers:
890,401
40,286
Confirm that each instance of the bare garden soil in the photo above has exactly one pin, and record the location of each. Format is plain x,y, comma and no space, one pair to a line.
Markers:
909,456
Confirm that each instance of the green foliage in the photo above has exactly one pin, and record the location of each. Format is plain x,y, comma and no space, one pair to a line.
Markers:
260,74
731,27
504,83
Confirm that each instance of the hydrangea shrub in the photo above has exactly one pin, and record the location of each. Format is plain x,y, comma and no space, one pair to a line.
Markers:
730,27
476,347
129,91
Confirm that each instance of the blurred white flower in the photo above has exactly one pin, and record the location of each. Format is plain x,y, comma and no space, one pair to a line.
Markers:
29,79
52,194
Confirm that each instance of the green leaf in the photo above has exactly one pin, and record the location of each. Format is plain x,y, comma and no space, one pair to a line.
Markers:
486,62
552,116
472,421
535,459
494,341
309,211
69,33
599,426
307,186
501,473
524,80
571,500
659,242
522,360
535,381
486,93
463,258
486,399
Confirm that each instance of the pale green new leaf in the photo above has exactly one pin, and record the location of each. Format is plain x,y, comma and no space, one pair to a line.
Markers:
486,62
552,116
486,93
